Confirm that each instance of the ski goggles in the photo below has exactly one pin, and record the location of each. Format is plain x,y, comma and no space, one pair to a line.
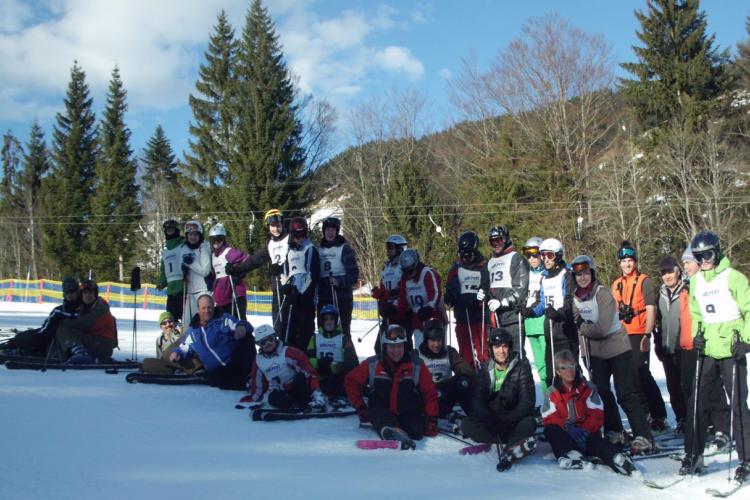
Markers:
581,266
531,251
466,255
567,367
394,335
705,255
626,253
548,255
265,340
190,227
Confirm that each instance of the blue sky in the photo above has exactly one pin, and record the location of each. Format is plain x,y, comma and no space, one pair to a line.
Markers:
348,52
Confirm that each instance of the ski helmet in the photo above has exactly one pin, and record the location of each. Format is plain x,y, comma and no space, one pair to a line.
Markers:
217,231
333,222
408,260
329,310
398,240
468,244
706,247
89,284
500,232
193,226
273,216
501,336
626,251
298,227
581,263
531,247
264,333
552,245
434,330
395,335
171,225
69,285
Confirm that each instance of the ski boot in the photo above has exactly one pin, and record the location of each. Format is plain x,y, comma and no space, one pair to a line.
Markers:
571,460
742,473
79,356
691,465
623,464
396,434
522,449
504,461
642,446
718,443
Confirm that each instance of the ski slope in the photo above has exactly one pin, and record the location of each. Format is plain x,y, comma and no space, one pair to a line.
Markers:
91,435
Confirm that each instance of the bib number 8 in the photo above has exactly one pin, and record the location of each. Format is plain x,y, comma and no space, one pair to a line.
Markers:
327,266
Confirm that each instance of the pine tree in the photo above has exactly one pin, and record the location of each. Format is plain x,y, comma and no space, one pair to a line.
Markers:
11,155
679,70
743,58
69,186
214,122
35,166
114,206
266,170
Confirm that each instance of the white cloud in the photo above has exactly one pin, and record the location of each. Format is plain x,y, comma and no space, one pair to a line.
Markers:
159,44
400,60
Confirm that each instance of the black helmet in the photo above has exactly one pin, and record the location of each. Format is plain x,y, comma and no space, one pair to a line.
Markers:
706,247
500,232
434,330
468,243
501,336
89,284
626,251
334,222
69,285
171,225
298,226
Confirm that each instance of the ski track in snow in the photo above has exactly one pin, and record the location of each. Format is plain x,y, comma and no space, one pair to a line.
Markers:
86,434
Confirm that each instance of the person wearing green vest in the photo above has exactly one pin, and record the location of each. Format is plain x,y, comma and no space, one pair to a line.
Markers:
535,326
331,353
719,309
171,276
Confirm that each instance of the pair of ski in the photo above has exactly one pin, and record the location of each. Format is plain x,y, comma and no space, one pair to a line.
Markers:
175,379
307,413
38,363
714,492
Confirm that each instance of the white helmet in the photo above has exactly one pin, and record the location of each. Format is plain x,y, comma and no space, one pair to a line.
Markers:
552,245
263,332
217,230
396,239
534,241
193,225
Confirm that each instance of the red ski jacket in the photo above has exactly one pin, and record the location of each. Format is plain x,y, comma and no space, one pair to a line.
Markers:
581,406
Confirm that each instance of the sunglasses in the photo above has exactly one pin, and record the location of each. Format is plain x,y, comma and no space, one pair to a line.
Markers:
498,241
567,367
466,255
548,255
580,267
705,256
167,322
74,290
531,251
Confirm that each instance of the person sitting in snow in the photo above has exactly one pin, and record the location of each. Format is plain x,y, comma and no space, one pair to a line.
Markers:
577,433
221,342
170,334
402,401
502,404
36,341
451,374
282,376
331,352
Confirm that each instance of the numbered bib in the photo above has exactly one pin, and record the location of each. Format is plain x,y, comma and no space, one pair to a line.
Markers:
173,264
329,347
277,250
390,277
589,311
219,263
535,284
440,368
416,292
298,262
469,280
499,269
275,368
715,300
553,290
330,261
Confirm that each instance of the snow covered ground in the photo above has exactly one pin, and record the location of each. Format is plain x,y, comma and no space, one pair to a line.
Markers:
91,435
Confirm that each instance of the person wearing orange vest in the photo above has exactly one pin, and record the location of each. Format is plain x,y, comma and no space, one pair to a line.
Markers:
636,305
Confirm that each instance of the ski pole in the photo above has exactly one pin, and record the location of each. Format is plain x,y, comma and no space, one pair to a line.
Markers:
521,336
586,354
481,340
49,353
731,417
288,324
368,332
135,285
552,347
452,436
471,339
235,305
278,315
696,393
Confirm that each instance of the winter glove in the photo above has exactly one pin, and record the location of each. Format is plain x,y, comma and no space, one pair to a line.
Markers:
481,295
553,314
740,350
699,343
185,268
426,313
230,269
579,321
286,289
493,305
431,427
526,312
188,258
378,293
578,435
363,414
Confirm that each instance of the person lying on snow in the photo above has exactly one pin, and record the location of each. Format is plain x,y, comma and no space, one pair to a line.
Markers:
502,404
451,374
92,335
331,353
573,434
402,402
282,376
221,343
36,341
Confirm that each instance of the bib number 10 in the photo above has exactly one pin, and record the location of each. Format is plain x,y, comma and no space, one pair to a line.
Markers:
416,300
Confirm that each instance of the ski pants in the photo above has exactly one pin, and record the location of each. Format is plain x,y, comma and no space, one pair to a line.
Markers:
538,350
163,366
333,385
34,341
175,304
381,416
492,431
649,392
480,342
716,376
672,368
719,406
456,389
619,368
596,445
295,394
234,374
98,347
233,309
297,324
